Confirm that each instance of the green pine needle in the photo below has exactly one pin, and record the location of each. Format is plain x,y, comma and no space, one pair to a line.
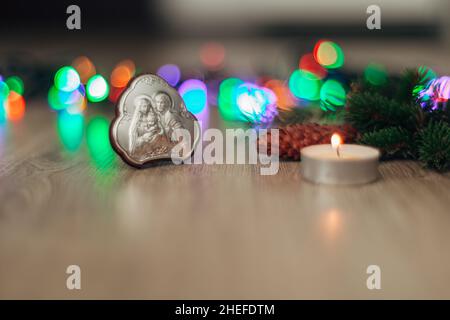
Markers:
390,118
434,146
294,115
368,111
412,82
393,142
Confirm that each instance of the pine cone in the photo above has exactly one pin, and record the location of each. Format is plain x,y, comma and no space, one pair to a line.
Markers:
294,137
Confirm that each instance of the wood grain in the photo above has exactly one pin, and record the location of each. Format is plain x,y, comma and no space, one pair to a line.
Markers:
205,232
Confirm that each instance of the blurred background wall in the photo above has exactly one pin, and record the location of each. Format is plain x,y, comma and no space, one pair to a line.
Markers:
297,16
228,18
259,36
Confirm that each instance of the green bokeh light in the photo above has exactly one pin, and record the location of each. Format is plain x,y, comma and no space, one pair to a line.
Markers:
426,75
339,57
97,88
15,84
329,54
53,99
376,74
70,130
59,100
4,91
227,99
2,114
305,85
67,79
332,95
97,136
252,101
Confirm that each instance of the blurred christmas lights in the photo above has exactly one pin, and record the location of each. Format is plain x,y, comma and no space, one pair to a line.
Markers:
308,63
285,99
15,106
256,101
122,73
4,90
97,138
436,92
305,85
171,73
12,103
375,74
332,95
97,88
194,94
67,92
67,79
70,129
15,84
227,100
85,68
426,76
246,101
329,54
253,102
212,55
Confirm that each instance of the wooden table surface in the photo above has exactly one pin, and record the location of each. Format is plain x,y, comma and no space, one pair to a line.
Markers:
210,231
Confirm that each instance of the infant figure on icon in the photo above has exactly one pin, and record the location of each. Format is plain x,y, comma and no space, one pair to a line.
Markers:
146,134
150,129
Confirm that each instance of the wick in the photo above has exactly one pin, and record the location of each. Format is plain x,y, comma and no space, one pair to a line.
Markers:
337,151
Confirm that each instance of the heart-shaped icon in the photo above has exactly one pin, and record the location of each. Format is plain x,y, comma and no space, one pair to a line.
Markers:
152,122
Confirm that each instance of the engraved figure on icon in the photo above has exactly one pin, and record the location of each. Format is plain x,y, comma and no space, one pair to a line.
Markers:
169,119
151,120
146,134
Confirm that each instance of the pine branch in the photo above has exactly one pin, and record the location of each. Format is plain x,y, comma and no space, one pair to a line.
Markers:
393,142
439,111
361,85
434,146
391,116
371,111
411,82
294,115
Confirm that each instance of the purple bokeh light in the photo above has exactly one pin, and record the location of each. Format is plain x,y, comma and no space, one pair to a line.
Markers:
171,73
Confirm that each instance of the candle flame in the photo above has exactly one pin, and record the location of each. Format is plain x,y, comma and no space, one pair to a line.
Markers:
336,140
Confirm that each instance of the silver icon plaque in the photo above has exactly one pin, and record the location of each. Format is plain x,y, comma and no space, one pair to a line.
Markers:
151,119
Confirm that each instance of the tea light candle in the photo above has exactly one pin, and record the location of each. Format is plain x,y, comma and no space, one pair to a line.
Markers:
338,163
